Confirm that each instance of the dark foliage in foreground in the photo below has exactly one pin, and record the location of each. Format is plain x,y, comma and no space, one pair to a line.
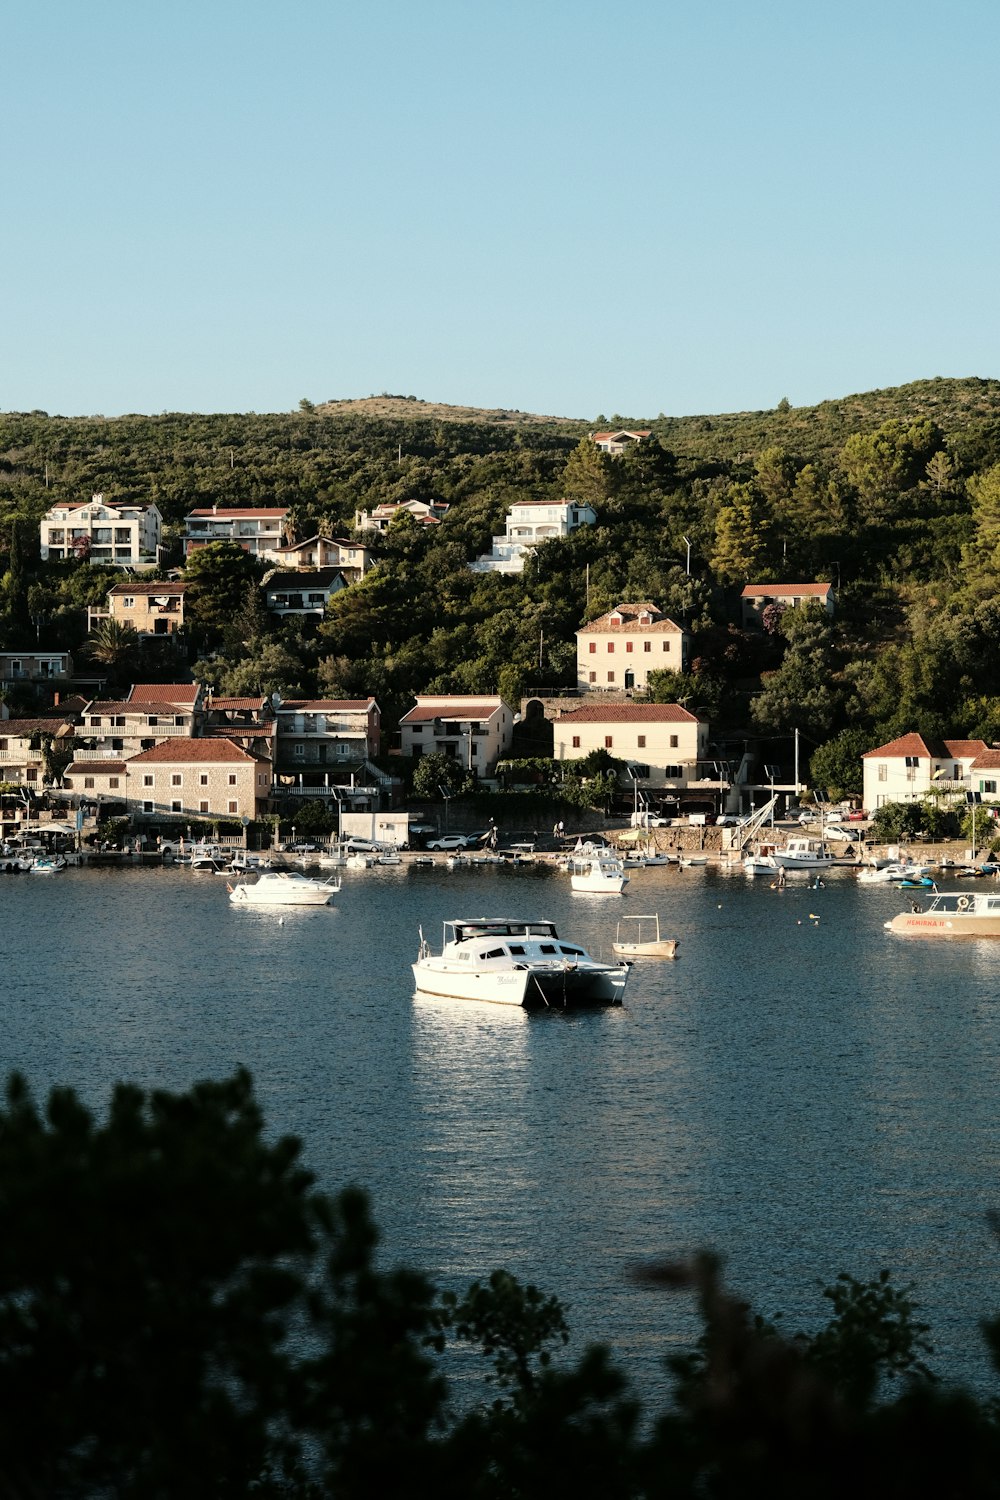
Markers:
181,1313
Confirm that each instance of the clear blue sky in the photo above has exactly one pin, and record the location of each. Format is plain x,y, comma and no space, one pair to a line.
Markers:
566,207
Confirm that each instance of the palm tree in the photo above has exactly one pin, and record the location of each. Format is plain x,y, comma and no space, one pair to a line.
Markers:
115,645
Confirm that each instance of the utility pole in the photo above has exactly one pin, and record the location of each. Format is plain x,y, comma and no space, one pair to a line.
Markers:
796,762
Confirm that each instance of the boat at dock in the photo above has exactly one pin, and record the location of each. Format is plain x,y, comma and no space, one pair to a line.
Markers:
511,962
805,854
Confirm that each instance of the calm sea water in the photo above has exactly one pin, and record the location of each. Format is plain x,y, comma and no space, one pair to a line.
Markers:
799,1091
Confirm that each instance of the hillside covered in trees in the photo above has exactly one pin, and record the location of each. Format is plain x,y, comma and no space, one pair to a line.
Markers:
894,496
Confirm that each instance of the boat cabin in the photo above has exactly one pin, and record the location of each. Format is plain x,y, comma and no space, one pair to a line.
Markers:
507,939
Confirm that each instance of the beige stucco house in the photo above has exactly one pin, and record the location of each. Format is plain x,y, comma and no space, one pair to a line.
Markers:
475,730
665,744
259,530
618,651
757,596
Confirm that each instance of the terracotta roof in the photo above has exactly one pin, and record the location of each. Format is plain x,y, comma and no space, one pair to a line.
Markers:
331,541
183,750
986,760
149,588
243,512
165,692
786,590
23,727
104,767
240,731
629,713
915,744
325,705
546,504
228,703
608,625
134,706
620,432
457,708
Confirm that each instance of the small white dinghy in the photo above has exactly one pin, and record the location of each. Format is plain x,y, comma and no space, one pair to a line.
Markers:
642,945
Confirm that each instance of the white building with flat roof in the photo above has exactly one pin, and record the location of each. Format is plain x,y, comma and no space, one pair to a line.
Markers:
122,535
530,522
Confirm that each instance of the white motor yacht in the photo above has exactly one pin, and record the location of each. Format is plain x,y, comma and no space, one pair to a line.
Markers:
510,962
804,854
283,888
599,874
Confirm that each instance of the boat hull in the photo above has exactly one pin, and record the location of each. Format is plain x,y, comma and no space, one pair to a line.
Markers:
561,986
931,925
661,948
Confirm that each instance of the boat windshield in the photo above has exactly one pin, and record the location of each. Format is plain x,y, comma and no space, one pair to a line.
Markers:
489,927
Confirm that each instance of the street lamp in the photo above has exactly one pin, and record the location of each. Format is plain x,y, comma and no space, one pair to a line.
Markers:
687,542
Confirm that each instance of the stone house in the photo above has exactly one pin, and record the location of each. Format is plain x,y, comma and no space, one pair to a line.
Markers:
617,652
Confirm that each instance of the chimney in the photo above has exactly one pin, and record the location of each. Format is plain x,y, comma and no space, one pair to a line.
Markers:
55,700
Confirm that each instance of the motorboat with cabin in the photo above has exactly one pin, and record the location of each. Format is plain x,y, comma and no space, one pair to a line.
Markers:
805,854
951,914
283,888
511,962
598,874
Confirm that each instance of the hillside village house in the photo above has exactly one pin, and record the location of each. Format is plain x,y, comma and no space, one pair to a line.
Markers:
35,666
424,512
259,530
757,596
150,608
111,729
294,593
180,695
615,443
475,730
530,522
326,747
915,766
122,535
664,744
352,558
22,758
620,649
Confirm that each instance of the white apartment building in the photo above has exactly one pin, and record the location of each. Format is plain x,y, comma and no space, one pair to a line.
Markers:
617,652
476,731
530,522
258,530
121,535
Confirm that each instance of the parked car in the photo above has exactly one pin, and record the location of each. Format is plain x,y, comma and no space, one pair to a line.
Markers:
729,820
856,815
449,841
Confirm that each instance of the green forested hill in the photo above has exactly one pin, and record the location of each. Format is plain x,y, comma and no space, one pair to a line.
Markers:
893,495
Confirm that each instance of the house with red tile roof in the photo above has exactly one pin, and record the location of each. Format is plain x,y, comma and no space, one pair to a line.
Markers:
616,443
616,652
150,608
665,745
351,557
915,766
117,533
197,778
259,530
474,730
757,596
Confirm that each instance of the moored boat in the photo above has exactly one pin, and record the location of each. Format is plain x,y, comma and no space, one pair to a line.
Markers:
804,854
600,875
283,888
646,942
510,962
951,914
